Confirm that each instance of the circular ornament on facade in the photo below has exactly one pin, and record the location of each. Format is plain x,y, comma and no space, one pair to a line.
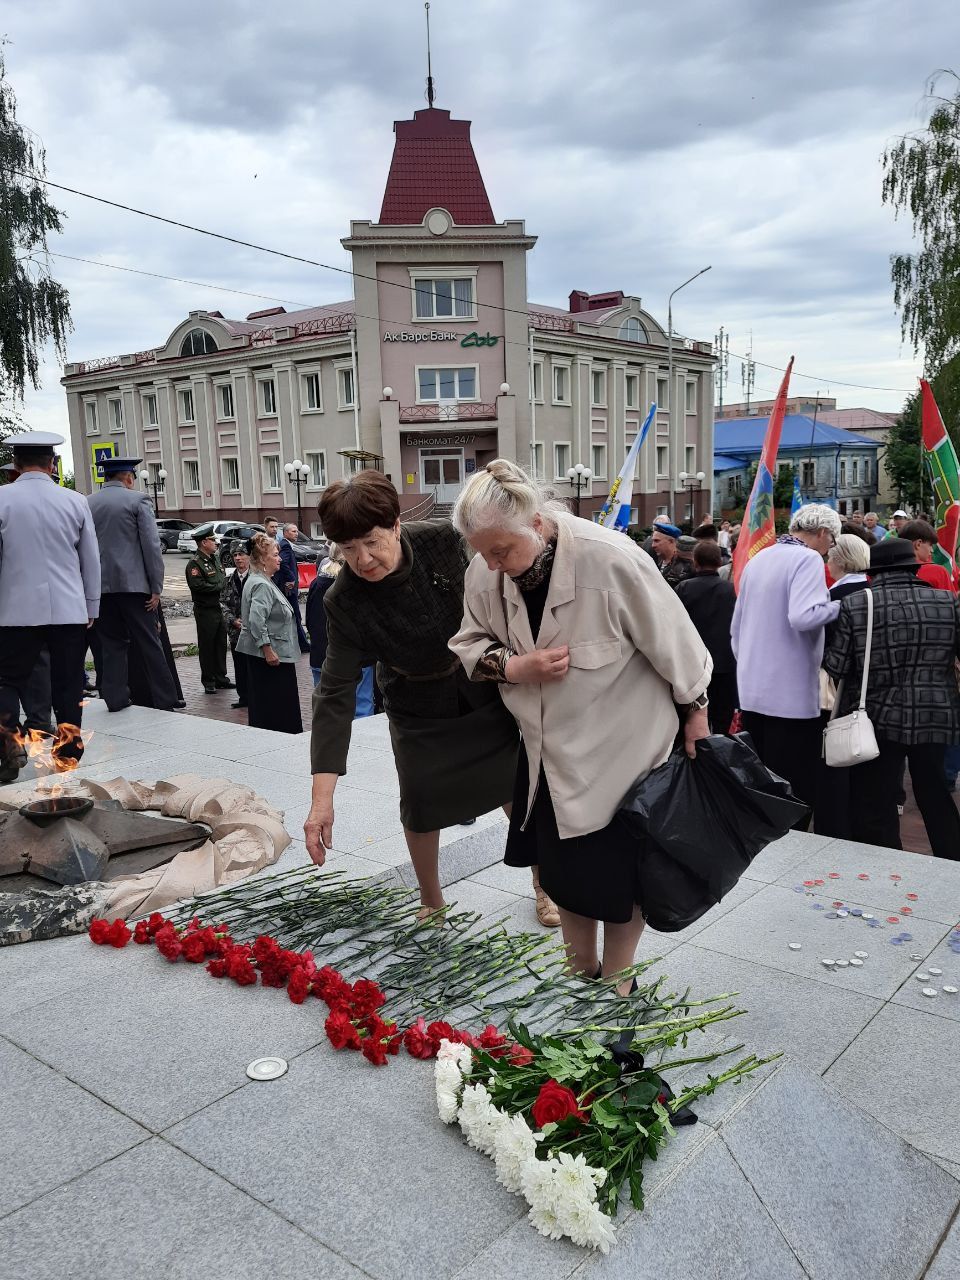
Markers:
439,222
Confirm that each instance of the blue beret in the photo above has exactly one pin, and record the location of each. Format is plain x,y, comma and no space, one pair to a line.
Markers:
670,530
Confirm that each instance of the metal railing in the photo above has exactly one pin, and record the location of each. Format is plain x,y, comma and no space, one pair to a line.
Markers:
546,320
422,511
462,412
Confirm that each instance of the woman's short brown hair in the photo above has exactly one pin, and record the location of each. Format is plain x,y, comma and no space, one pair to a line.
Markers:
257,548
351,508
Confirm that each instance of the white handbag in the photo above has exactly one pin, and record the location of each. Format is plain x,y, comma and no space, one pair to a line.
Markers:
850,739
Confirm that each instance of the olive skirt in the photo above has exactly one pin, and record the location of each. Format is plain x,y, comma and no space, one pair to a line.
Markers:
457,768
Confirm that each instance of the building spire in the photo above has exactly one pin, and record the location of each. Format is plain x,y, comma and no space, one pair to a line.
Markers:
431,94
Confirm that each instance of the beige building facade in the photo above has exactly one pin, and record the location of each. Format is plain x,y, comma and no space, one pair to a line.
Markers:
438,364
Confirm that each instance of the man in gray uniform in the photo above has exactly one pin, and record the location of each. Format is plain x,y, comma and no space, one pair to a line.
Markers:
49,593
131,568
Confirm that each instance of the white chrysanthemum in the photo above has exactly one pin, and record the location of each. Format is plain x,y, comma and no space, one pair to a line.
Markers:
586,1225
538,1184
575,1177
543,1217
448,1104
479,1118
513,1149
447,1075
460,1054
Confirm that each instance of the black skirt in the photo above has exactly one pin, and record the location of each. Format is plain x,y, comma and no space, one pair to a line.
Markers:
595,875
273,696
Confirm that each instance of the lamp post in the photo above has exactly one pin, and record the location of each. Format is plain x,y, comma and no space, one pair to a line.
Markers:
297,473
670,351
692,484
579,476
156,485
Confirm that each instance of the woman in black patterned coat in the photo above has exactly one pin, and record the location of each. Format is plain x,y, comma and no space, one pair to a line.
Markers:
397,602
912,696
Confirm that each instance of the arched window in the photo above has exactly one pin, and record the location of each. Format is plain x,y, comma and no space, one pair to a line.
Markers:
198,343
632,331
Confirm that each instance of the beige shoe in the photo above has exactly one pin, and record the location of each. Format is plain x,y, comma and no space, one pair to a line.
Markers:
547,912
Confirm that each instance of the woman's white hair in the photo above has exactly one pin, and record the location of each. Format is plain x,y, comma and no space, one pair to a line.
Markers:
816,516
502,496
850,555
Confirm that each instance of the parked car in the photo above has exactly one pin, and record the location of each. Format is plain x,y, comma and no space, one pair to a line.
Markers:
234,538
221,529
169,530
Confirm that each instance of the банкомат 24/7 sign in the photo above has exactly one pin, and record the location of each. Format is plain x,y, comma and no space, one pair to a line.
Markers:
474,339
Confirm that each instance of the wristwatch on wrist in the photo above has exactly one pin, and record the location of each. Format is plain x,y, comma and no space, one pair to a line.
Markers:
699,703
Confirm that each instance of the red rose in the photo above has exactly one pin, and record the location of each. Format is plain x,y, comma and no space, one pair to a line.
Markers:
298,988
99,931
141,932
341,1032
519,1056
374,1052
418,1044
193,949
554,1103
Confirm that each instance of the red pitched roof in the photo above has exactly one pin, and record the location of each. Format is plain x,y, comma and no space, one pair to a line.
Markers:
434,166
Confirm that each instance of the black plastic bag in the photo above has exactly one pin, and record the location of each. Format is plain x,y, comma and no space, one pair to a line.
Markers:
704,821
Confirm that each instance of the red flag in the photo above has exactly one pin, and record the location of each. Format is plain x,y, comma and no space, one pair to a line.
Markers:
758,529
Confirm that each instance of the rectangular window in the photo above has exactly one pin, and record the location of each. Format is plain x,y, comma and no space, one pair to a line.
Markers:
90,414
345,389
561,384
856,471
191,476
268,398
436,299
661,511
317,462
536,381
866,471
599,461
150,417
633,390
155,468
663,460
115,413
807,472
598,387
185,399
690,455
225,401
446,384
661,393
691,397
230,473
561,461
310,400
843,474
731,486
271,471
539,468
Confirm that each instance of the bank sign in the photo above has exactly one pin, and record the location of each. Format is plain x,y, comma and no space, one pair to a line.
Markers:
474,339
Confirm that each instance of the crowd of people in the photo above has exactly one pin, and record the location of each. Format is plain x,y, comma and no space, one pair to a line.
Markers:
525,659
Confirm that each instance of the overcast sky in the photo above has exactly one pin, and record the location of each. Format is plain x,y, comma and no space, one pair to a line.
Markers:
639,141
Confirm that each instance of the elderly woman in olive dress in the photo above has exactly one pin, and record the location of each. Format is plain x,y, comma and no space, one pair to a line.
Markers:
397,602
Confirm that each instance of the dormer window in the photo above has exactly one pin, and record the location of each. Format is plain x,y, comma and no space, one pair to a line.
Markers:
198,343
632,331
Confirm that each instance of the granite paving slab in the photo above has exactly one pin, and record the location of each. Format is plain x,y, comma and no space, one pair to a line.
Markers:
778,858
902,1069
945,1004
51,1130
946,1264
810,1021
34,972
152,1212
656,943
832,1179
762,928
935,881
357,1156
707,1223
515,880
157,1041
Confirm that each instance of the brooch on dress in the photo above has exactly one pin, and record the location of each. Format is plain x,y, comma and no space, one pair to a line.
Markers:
441,583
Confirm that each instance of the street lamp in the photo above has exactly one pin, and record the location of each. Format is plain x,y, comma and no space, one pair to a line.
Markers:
692,484
156,485
297,473
701,272
581,477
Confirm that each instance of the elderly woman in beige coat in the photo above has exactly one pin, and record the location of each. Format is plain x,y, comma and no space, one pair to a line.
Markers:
594,655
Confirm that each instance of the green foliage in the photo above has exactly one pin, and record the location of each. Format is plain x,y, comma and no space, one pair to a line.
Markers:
782,485
922,178
33,307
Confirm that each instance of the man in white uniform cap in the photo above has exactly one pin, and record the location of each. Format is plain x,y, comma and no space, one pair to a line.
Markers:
49,592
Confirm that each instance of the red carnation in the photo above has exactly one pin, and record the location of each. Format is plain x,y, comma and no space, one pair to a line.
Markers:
264,949
394,1043
519,1056
239,967
464,1037
330,987
418,1043
438,1031
168,944
491,1040
298,988
366,997
341,1032
554,1103
119,934
154,922
217,968
99,931
141,932
193,949
374,1052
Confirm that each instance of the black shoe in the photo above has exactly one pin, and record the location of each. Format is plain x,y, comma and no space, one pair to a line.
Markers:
225,684
209,688
467,822
235,705
179,704
122,707
9,770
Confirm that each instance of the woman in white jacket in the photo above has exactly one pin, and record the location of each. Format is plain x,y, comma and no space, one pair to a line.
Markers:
593,653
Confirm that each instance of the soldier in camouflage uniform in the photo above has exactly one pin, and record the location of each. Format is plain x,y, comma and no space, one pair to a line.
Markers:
206,580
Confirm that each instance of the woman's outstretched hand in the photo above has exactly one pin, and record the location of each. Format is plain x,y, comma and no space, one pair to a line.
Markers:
542,666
